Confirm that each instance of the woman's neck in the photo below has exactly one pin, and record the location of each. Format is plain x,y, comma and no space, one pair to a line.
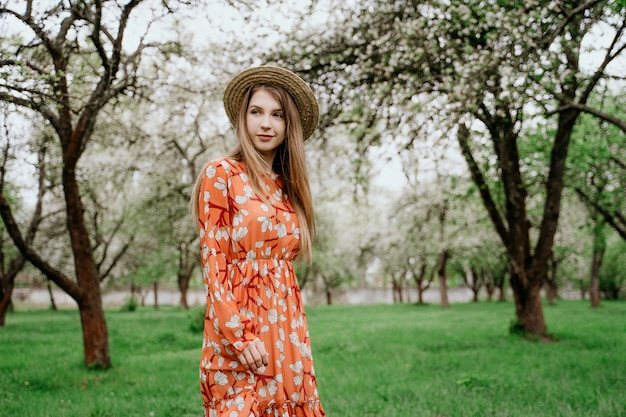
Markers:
267,163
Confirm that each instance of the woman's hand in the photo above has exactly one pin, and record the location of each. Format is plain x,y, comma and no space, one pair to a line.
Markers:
254,356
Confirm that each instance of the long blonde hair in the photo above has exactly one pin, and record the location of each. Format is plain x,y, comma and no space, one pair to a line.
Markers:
289,163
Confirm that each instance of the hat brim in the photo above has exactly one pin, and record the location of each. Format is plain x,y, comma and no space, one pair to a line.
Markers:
298,89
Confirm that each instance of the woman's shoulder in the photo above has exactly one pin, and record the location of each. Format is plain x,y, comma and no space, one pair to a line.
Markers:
225,166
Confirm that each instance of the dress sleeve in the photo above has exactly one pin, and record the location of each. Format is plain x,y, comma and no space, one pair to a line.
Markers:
214,222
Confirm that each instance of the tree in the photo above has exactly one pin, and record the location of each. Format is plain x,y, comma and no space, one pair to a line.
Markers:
480,65
333,264
598,249
559,254
397,265
595,174
185,143
613,274
12,262
597,166
75,64
434,221
483,265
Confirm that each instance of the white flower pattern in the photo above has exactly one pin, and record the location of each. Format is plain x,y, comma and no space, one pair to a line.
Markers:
247,250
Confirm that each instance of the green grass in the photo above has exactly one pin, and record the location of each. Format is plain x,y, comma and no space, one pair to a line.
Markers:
382,360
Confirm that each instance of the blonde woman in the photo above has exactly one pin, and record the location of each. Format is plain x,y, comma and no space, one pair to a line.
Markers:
255,217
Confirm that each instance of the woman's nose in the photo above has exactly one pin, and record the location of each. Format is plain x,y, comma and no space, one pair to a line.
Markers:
265,122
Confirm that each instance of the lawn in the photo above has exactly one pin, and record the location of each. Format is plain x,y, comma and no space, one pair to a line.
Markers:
380,360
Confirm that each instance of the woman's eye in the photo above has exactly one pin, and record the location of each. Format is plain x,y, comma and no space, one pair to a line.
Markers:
279,115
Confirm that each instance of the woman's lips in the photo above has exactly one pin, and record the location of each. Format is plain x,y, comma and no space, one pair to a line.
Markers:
265,138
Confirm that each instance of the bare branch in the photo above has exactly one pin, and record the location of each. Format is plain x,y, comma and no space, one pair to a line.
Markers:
29,104
566,21
116,259
608,58
479,179
65,26
621,164
17,63
95,37
31,255
616,220
28,21
621,124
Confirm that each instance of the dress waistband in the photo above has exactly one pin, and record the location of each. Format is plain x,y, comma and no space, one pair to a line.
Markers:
272,261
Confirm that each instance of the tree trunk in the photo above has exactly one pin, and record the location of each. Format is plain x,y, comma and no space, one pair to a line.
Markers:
184,288
474,281
489,288
443,287
551,291
596,264
362,262
186,266
329,297
155,287
5,300
7,283
95,334
397,290
443,277
142,296
528,307
419,279
53,304
502,296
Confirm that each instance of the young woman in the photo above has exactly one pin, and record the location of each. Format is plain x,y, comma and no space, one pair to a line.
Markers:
255,217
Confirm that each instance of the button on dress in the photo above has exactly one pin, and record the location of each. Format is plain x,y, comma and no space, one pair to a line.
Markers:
247,249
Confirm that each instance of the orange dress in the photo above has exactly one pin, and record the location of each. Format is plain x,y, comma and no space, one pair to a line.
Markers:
247,249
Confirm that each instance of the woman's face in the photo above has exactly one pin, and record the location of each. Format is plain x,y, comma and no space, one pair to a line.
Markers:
265,123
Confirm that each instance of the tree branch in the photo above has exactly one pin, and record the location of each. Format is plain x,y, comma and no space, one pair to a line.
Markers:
608,58
621,124
29,104
568,18
463,139
115,260
95,38
27,19
16,63
32,256
616,220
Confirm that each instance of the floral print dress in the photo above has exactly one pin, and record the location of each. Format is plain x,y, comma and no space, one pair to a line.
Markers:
247,248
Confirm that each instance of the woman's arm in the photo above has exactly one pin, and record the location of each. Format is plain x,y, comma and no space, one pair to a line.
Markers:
214,221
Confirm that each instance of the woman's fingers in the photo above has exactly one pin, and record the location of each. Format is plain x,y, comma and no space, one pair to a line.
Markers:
254,356
245,358
263,355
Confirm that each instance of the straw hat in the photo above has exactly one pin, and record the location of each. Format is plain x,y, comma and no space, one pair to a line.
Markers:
297,88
